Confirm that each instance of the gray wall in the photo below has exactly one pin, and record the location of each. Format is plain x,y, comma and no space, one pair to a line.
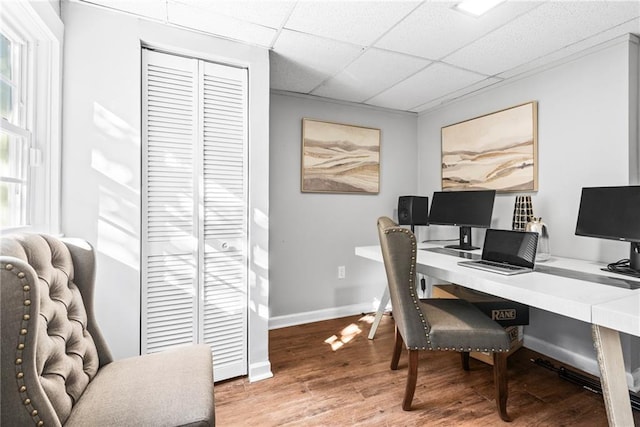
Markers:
587,123
101,161
312,234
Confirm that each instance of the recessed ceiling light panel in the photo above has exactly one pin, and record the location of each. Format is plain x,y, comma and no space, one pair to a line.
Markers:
477,7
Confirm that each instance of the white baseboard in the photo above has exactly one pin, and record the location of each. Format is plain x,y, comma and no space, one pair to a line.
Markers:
319,315
563,355
585,364
260,371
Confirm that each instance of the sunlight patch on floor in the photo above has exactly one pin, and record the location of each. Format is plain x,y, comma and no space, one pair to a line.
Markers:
343,337
367,318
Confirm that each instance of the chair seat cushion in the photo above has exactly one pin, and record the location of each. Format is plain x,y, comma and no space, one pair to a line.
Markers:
459,325
170,388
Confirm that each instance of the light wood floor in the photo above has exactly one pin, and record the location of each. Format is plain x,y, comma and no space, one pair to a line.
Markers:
329,374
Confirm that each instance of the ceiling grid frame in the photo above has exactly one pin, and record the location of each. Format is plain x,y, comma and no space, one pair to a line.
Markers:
326,48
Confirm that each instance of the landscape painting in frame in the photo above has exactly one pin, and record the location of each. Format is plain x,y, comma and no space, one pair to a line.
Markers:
338,158
497,151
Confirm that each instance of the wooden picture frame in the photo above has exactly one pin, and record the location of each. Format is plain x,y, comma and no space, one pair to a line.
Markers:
339,158
497,151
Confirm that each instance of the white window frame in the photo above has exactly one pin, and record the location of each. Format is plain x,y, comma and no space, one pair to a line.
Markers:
40,27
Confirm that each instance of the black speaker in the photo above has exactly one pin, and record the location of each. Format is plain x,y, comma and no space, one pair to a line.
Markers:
413,210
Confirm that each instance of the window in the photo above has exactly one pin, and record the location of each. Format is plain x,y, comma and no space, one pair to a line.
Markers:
14,134
30,46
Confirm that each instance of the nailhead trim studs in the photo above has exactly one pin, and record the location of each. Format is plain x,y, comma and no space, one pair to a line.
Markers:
412,275
22,335
412,271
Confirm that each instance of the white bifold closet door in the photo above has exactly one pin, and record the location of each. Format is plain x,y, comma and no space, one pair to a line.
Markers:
194,202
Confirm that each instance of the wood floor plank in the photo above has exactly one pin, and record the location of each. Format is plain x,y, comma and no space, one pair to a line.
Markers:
329,374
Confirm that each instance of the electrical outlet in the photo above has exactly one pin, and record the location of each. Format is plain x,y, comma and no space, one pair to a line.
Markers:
341,271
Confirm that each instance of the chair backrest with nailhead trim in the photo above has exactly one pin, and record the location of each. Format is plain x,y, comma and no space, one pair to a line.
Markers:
48,354
399,248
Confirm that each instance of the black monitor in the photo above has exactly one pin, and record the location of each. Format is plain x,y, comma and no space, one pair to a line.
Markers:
464,209
613,213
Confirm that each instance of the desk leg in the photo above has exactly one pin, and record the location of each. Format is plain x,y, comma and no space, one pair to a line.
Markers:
383,303
614,382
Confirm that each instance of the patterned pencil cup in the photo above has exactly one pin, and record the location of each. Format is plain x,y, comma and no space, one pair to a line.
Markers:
522,213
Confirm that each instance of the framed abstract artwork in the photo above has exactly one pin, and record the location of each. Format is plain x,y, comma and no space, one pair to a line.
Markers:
339,158
497,151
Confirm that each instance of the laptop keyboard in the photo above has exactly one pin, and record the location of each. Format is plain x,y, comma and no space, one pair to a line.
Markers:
499,265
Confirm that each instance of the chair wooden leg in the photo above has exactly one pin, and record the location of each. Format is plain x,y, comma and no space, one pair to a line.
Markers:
412,379
500,383
464,357
397,349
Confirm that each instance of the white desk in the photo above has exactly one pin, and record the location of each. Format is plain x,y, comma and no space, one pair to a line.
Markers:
620,314
608,308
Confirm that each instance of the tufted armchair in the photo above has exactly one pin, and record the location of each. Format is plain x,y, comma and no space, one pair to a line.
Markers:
56,366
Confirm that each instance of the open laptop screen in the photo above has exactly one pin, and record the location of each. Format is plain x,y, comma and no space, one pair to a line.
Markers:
513,247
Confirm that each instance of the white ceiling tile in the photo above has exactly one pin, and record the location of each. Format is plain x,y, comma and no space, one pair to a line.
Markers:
358,22
301,56
369,75
270,13
433,82
632,27
436,29
291,76
546,29
220,25
154,9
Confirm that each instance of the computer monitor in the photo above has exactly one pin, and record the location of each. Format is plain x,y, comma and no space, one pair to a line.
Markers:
464,209
613,213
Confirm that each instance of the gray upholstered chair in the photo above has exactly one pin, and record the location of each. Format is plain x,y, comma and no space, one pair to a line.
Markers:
56,366
435,324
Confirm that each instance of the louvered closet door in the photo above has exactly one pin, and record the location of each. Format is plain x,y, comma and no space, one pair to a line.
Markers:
224,227
169,220
194,208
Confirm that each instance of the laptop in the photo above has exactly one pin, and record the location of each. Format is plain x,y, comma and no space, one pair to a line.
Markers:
506,252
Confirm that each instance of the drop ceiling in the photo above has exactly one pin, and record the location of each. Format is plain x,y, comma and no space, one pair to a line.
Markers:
404,55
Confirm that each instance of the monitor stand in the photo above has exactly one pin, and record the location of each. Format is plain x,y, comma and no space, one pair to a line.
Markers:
631,267
634,257
465,240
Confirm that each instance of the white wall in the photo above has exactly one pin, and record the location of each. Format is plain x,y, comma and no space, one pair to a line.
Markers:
312,234
586,137
102,161
55,5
